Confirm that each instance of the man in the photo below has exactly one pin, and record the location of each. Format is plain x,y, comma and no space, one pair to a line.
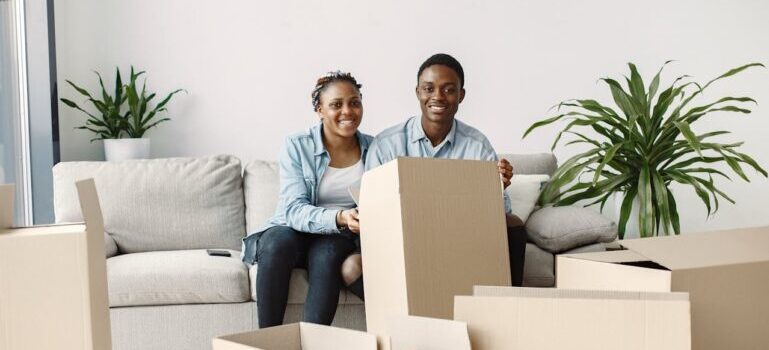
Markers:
437,134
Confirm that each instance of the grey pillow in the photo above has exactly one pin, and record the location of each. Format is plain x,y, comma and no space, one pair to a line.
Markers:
558,229
110,248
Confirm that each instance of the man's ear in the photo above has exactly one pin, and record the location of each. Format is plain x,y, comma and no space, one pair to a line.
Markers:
416,90
461,95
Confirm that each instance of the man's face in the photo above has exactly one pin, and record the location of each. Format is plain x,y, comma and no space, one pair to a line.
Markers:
439,93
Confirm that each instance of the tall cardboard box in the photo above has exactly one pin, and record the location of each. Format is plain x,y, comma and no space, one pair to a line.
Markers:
430,230
509,318
726,274
53,281
297,336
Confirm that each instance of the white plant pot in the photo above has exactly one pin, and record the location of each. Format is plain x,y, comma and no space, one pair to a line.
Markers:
124,149
631,228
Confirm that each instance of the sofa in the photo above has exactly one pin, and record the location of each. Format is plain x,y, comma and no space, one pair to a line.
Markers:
161,215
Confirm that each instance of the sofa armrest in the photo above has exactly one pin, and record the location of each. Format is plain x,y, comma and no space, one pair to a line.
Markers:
557,229
110,247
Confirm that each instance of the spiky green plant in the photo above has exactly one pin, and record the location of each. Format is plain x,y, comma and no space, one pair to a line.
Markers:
108,123
644,146
139,117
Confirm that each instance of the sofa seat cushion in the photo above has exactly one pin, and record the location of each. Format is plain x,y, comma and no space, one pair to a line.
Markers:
538,268
298,286
176,277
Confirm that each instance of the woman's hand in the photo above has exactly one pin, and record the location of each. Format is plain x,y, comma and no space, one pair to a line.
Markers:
505,171
349,218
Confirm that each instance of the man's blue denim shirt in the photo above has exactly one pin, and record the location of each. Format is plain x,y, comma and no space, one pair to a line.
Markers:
408,139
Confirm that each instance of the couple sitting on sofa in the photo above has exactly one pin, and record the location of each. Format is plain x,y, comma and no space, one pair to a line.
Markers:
316,223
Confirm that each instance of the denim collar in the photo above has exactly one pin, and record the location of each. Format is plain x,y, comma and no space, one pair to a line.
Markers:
417,133
320,147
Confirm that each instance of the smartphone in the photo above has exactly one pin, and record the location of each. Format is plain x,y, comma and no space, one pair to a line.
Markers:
218,252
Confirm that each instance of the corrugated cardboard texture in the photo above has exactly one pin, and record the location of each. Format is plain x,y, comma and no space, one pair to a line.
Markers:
297,336
512,323
526,292
53,291
6,206
423,333
430,228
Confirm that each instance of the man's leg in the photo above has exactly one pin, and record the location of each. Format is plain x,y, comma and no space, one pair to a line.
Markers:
279,249
324,260
516,244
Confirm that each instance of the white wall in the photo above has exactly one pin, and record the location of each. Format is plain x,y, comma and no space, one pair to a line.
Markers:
249,67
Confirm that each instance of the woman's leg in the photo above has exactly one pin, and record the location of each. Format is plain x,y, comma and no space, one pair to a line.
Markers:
324,260
279,250
352,274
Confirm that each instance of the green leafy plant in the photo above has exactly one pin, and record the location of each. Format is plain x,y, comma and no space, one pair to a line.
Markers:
108,123
139,117
643,146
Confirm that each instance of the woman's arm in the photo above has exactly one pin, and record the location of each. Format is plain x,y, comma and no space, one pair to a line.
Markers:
300,214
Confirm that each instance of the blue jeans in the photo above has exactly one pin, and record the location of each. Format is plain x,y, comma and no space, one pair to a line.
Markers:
280,249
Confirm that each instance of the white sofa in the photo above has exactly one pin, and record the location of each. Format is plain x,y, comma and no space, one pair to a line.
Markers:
160,215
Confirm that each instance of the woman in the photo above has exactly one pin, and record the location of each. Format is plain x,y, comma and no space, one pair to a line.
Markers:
315,223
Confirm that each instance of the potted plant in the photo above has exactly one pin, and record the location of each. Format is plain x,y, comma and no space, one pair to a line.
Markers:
643,146
111,124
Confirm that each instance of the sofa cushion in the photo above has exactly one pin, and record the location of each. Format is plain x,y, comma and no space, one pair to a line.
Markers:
160,204
176,277
261,184
298,286
557,229
532,163
524,191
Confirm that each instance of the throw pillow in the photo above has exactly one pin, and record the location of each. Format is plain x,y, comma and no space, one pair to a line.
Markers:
523,192
557,229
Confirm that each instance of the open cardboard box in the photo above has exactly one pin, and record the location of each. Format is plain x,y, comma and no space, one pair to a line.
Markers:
431,229
53,280
297,336
511,318
726,274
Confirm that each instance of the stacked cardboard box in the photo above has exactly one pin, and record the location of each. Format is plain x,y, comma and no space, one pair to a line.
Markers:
726,274
53,289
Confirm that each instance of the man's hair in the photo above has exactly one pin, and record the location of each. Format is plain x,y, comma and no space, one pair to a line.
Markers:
446,60
326,80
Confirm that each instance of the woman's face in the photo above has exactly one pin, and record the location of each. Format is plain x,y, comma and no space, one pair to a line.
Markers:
340,110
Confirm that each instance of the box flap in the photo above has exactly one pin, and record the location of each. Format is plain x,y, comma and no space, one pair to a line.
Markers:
557,293
612,256
319,337
424,333
418,174
697,250
6,206
284,337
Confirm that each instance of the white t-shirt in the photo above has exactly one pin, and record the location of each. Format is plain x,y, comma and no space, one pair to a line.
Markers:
332,190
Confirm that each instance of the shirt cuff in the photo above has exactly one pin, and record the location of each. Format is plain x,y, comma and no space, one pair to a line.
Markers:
330,221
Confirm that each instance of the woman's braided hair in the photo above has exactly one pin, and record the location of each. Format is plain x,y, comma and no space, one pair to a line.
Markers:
326,80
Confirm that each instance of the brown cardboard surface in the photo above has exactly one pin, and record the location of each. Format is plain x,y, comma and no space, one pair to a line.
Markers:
726,274
546,318
297,336
430,230
53,291
6,206
423,333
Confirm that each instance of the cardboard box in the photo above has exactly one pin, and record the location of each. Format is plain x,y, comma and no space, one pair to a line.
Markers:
423,333
512,318
726,274
430,229
297,336
53,281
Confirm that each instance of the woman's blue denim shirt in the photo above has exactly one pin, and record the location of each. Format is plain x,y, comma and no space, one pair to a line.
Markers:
303,160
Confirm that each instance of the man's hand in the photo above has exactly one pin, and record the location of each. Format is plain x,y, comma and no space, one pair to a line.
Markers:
349,218
505,171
